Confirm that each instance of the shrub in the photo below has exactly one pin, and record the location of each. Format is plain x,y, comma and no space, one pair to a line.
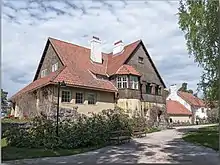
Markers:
83,132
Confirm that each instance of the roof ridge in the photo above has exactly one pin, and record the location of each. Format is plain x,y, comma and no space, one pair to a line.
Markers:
68,42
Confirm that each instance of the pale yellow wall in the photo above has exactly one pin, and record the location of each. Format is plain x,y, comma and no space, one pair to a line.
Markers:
132,106
180,118
105,100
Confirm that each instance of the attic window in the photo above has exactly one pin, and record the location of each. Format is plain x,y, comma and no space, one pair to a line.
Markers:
54,67
44,73
141,60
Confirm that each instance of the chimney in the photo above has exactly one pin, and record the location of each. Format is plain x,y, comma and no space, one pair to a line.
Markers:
96,50
118,47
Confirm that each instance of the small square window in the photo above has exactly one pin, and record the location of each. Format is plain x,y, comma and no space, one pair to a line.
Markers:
141,60
79,98
54,67
91,98
44,73
66,96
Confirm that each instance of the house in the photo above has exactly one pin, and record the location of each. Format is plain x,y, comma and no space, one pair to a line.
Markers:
194,107
126,77
178,112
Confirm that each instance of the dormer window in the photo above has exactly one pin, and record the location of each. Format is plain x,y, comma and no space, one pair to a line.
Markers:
122,81
44,73
134,82
54,67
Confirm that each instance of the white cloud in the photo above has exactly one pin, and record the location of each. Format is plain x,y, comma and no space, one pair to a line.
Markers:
153,22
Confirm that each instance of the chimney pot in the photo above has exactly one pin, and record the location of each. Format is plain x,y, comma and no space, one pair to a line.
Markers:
118,47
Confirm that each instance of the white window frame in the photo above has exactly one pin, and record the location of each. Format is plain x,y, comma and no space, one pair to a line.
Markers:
44,73
69,99
122,82
93,100
82,98
55,67
134,82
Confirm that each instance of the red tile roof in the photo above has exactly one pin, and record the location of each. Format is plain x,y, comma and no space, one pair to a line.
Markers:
127,69
176,108
117,60
191,99
79,70
38,83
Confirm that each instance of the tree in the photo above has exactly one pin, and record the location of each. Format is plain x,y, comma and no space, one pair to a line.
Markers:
185,89
199,21
4,101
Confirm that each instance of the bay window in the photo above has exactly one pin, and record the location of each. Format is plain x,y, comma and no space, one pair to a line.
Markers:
134,82
122,82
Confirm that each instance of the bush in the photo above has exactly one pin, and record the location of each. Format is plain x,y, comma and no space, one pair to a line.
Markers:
83,132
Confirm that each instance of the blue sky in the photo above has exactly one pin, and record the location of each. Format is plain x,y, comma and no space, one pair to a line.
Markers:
27,25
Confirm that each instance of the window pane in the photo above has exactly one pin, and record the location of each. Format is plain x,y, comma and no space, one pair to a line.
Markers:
66,96
79,98
148,88
91,98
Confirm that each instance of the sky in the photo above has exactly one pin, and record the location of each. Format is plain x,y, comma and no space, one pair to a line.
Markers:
26,25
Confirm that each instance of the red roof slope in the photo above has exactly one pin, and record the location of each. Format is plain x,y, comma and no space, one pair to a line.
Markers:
116,61
127,69
38,83
176,108
191,99
79,70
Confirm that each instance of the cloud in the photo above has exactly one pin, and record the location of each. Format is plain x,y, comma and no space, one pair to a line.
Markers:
27,24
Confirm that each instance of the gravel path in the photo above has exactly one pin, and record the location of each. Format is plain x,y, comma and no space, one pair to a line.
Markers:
159,147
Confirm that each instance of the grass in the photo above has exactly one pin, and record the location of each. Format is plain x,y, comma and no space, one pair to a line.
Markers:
153,129
14,120
14,153
206,136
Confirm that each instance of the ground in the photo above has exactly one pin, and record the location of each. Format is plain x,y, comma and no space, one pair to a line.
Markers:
206,136
160,147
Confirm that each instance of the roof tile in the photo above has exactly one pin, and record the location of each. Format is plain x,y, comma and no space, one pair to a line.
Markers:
176,108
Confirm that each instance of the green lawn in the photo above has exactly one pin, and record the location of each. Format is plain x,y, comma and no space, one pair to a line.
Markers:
206,136
13,153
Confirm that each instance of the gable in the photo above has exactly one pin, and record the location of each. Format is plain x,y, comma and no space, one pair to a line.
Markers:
48,58
147,68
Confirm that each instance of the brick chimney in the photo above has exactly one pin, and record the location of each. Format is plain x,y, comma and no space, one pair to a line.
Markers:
118,47
96,50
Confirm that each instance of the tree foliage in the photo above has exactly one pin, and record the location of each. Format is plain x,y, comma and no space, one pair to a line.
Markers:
4,101
198,19
184,88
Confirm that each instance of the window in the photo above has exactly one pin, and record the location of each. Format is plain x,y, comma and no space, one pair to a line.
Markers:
141,60
66,96
91,98
54,67
79,98
43,72
202,110
134,82
148,88
122,82
157,90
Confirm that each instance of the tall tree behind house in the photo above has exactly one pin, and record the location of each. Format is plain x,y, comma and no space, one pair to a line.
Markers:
184,88
4,101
